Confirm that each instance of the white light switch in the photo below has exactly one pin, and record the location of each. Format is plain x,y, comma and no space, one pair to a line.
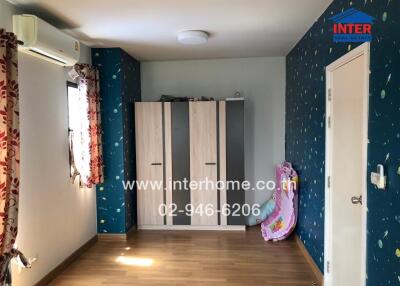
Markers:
379,178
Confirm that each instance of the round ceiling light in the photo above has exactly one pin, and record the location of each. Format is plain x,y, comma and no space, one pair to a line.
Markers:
192,37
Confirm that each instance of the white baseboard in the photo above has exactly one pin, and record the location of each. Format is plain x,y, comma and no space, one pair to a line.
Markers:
194,227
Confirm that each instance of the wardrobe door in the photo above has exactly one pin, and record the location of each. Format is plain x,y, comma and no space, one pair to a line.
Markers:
234,143
203,161
180,150
231,160
149,162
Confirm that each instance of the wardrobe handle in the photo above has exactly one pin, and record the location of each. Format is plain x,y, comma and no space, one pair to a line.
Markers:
156,164
211,164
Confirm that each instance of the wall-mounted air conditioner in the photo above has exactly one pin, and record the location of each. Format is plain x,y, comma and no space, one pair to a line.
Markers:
43,40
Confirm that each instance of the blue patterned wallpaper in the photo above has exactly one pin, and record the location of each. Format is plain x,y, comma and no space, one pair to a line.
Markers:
131,92
305,132
119,87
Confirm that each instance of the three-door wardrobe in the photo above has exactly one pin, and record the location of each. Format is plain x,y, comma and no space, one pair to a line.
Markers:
190,164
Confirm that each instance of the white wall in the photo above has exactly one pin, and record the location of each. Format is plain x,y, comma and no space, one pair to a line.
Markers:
260,80
6,12
55,216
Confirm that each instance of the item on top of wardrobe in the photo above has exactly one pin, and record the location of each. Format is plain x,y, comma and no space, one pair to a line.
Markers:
205,98
237,94
171,98
281,223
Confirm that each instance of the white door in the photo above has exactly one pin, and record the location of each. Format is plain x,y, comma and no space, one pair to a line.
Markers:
346,167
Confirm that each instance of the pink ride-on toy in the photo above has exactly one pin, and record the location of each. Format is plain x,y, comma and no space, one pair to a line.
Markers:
281,223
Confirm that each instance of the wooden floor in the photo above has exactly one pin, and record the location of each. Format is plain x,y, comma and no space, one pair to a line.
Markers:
190,258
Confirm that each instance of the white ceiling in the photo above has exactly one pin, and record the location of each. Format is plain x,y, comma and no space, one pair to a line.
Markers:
147,29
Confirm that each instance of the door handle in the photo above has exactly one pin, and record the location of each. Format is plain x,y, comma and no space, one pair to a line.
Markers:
356,200
156,164
211,164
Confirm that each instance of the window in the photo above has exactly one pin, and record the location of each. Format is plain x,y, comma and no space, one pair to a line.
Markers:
78,130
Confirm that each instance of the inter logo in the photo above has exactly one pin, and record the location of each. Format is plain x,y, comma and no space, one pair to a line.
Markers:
352,26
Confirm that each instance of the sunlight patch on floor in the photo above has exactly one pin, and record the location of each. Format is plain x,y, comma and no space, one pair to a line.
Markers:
135,261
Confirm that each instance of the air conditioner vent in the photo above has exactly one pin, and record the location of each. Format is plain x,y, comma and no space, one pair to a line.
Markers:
45,41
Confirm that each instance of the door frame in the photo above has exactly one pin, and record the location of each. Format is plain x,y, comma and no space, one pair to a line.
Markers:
363,49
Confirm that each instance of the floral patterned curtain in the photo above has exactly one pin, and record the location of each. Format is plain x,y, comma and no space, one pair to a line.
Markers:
9,154
90,167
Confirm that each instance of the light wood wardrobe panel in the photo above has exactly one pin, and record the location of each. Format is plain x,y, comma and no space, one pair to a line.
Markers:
149,156
203,158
